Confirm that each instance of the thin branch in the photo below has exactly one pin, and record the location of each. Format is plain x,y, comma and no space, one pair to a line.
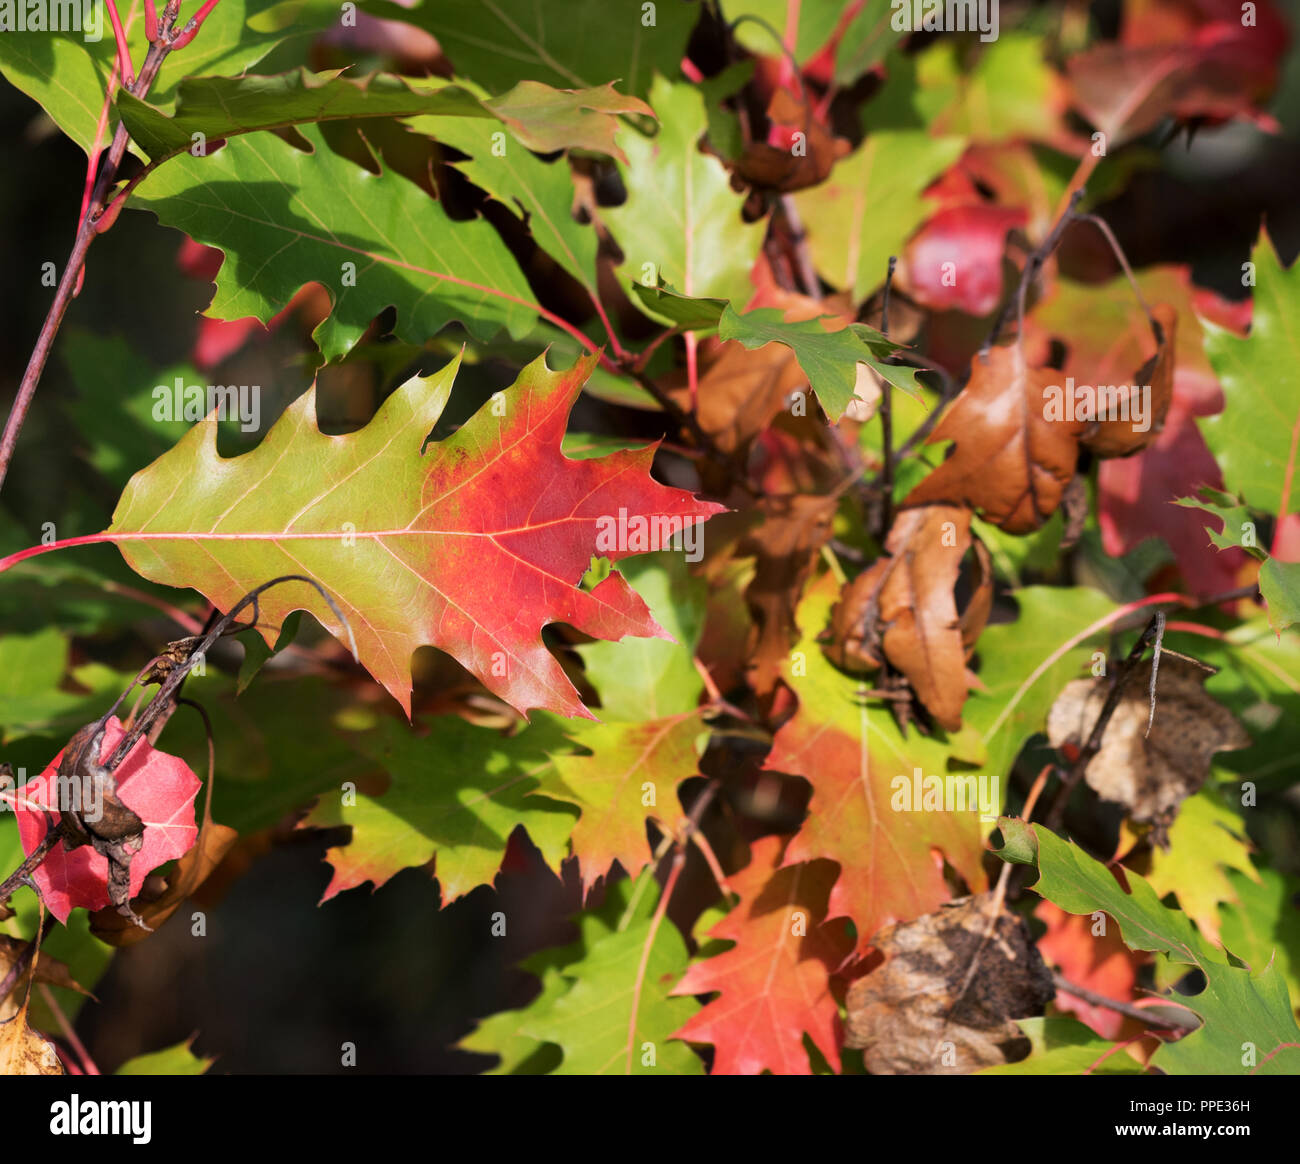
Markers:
1033,265
1169,1016
90,226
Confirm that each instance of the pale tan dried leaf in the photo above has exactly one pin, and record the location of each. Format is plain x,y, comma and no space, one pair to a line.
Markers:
1149,775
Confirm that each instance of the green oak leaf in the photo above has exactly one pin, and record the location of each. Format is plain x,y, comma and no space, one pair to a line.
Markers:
871,203
68,74
617,1018
546,119
1023,667
1206,859
456,793
640,679
681,223
1249,1025
177,1060
1279,582
1261,923
541,193
225,107
830,358
1238,524
571,44
285,217
1256,438
683,311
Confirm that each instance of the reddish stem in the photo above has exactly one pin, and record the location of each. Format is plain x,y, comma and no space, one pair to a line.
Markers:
191,30
124,65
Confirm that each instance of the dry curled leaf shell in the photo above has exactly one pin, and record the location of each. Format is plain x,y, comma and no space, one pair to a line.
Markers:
1150,775
903,608
925,1012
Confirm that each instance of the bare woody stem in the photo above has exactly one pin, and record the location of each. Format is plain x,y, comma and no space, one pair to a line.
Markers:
1170,1017
93,222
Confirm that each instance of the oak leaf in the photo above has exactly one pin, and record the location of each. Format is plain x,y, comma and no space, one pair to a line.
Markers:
774,984
472,545
158,788
1011,462
943,1001
903,607
863,775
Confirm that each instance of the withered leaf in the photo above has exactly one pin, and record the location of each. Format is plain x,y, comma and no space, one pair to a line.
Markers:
1149,775
808,159
904,606
214,842
25,1052
919,1015
1150,394
1009,461
785,546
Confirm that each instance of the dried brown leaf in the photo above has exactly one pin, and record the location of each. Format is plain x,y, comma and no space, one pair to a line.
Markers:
924,1013
1009,461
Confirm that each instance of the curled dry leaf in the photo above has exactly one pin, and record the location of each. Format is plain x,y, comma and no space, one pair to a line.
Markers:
1150,775
1010,461
23,1051
153,787
903,609
1146,401
924,1012
800,151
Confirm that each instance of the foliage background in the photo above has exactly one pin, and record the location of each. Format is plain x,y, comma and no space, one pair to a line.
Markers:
280,981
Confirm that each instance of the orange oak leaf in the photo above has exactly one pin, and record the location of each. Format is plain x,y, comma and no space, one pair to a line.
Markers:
869,811
773,985
1013,459
630,775
472,544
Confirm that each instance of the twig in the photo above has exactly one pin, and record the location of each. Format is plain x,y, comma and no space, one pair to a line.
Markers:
1170,1016
93,222
799,248
886,417
1033,265
20,876
661,910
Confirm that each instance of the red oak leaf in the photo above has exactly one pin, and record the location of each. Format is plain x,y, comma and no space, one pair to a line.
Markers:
774,983
471,544
891,856
157,787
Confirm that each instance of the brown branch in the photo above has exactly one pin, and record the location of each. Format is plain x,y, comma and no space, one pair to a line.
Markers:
96,220
1171,1017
